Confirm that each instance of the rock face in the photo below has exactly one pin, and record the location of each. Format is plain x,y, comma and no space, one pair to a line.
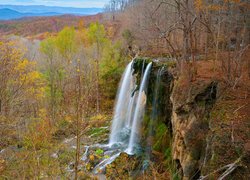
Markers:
190,124
184,108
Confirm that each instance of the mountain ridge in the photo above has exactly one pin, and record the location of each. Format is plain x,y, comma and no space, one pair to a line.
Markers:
9,12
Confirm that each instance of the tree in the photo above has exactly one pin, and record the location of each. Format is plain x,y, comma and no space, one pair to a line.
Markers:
97,38
53,74
65,43
21,91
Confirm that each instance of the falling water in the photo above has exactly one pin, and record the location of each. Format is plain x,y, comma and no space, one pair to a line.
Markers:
129,112
156,94
124,105
154,113
139,111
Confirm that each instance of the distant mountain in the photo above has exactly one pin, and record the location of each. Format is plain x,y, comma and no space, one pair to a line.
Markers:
8,14
48,9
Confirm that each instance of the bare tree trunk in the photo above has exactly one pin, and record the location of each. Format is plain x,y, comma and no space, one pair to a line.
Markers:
186,37
97,80
217,45
78,122
229,68
185,45
248,67
97,88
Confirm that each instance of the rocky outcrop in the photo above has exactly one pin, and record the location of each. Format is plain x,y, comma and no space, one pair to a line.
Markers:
180,127
190,124
184,108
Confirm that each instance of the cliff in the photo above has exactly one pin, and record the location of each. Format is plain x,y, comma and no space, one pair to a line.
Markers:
183,129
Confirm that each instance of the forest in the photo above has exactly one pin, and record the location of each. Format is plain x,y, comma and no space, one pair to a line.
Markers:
148,89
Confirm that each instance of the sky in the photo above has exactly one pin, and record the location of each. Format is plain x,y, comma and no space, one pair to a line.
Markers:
63,3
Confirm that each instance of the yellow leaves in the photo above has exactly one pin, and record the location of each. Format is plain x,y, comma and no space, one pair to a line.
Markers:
47,46
82,37
65,42
22,65
35,85
33,76
42,113
68,118
26,76
2,165
8,52
96,33
20,73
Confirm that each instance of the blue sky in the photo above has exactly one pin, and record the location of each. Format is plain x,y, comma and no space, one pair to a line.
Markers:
64,3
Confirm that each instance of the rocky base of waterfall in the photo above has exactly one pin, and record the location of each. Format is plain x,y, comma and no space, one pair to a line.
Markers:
190,129
124,167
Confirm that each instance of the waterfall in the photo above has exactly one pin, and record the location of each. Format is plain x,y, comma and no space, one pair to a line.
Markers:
154,113
156,94
139,111
128,115
123,107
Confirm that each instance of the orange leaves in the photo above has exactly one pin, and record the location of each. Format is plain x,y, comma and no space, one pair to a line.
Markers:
111,32
202,5
199,5
214,7
82,36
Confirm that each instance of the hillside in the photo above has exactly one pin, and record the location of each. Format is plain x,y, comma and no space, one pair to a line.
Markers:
37,25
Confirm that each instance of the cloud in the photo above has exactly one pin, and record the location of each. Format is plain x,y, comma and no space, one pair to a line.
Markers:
65,3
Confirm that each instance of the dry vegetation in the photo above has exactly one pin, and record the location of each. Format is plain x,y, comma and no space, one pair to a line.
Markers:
36,26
